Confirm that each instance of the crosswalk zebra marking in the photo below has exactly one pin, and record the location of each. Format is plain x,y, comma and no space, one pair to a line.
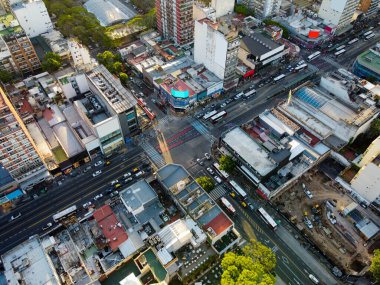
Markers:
157,158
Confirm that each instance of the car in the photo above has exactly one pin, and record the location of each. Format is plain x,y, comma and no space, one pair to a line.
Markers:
308,194
232,194
244,204
87,205
114,182
107,162
251,206
129,179
210,170
98,163
140,173
301,62
212,105
199,116
109,191
308,223
126,175
118,185
15,216
207,156
96,173
135,170
97,197
218,179
114,194
35,196
228,101
314,279
223,105
47,226
200,162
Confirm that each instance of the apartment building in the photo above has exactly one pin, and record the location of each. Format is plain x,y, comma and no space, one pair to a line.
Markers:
264,8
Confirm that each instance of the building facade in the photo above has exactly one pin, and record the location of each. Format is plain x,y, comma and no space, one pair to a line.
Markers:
264,8
369,7
216,46
175,20
367,64
33,17
79,53
337,14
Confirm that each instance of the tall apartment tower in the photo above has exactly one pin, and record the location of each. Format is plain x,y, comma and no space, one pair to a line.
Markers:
175,20
216,46
18,154
18,54
264,8
338,13
369,7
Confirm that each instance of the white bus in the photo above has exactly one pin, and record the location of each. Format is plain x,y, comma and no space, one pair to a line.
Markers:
369,37
238,189
313,56
367,33
216,118
209,115
267,218
338,53
221,172
250,93
352,41
340,47
300,67
65,213
278,78
228,205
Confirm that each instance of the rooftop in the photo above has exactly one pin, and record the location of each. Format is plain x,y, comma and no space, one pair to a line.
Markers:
258,44
28,262
370,59
9,25
137,195
177,88
108,12
366,182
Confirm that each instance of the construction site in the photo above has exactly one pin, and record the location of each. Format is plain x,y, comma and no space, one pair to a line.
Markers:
317,206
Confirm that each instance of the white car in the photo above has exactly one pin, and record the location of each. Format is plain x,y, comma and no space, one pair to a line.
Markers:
207,156
47,226
114,182
126,175
223,105
308,194
129,179
97,197
15,216
210,170
140,173
308,223
217,178
200,162
96,173
98,163
87,205
314,279
114,194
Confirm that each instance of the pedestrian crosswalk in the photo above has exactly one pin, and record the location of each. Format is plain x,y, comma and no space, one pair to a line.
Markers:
153,154
218,192
202,129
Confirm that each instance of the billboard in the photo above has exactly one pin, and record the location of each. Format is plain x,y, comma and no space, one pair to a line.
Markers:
313,34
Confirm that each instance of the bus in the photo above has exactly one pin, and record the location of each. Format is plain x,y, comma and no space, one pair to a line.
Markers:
209,115
221,172
228,205
313,56
238,189
267,218
352,41
250,93
338,53
369,37
65,213
300,67
367,33
216,118
340,47
278,78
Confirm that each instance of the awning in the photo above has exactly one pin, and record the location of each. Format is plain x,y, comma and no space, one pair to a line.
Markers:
14,195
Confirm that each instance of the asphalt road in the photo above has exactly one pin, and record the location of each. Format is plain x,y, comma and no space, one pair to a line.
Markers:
74,191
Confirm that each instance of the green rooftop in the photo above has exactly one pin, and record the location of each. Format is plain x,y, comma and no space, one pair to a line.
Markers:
10,25
370,60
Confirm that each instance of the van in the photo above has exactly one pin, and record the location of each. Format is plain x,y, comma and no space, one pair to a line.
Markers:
140,173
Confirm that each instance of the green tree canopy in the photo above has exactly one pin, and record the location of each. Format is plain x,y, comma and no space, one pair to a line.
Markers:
206,183
242,9
5,76
375,265
285,31
227,163
111,61
52,62
249,267
123,78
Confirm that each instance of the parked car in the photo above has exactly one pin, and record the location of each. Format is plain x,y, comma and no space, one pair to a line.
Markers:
129,179
200,162
210,170
15,216
114,194
107,162
218,179
138,174
208,156
98,163
223,105
314,279
109,191
87,205
97,197
135,170
308,223
117,186
251,206
96,173
47,226
114,182
126,175
244,204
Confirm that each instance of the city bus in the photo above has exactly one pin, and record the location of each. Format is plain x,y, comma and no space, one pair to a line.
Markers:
228,205
313,56
338,53
221,172
340,47
278,78
250,93
300,67
367,34
267,218
65,213
369,37
216,118
352,41
209,115
238,189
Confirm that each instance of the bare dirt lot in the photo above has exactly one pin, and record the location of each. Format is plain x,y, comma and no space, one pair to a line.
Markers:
339,241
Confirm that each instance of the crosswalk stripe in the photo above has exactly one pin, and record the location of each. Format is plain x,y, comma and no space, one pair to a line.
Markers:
202,129
218,192
157,158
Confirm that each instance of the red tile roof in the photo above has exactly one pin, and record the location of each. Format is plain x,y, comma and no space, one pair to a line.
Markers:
219,224
111,227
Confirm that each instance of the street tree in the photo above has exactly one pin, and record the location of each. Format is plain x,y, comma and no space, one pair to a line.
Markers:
5,76
227,163
206,183
375,265
51,62
123,78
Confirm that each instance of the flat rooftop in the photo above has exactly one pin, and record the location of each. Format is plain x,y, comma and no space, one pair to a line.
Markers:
9,24
370,59
28,261
258,44
137,195
249,150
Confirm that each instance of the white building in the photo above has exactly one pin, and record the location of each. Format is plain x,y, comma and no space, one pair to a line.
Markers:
366,182
33,17
264,8
371,152
338,13
79,53
216,46
222,7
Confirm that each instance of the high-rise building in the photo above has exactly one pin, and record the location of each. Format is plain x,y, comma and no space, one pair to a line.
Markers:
263,8
18,153
338,13
33,17
175,20
79,53
18,54
369,7
216,46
